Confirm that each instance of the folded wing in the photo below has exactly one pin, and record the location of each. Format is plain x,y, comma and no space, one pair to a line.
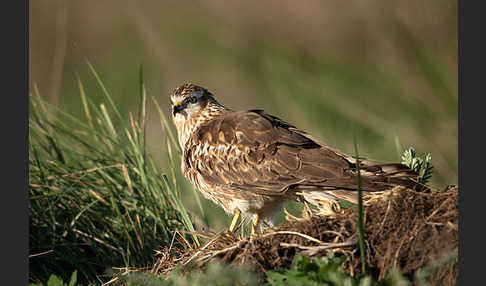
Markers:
256,152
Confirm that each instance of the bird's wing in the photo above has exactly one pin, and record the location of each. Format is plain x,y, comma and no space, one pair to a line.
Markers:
257,152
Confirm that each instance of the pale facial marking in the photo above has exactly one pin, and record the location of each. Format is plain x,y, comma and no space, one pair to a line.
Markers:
177,99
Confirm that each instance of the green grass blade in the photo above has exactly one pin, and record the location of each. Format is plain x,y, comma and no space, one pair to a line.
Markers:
361,226
82,94
105,91
180,207
165,125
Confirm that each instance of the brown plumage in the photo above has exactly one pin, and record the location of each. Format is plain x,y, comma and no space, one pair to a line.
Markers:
250,161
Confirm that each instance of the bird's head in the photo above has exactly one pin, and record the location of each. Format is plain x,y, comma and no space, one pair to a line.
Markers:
192,104
189,99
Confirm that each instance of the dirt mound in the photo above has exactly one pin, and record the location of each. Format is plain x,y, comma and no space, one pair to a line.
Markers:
404,229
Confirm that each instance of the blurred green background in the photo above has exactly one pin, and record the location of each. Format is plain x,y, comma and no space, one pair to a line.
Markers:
385,70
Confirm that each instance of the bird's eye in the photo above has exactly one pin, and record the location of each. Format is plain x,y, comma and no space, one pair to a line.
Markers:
193,99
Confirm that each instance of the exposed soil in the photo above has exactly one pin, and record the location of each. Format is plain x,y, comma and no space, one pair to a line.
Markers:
404,229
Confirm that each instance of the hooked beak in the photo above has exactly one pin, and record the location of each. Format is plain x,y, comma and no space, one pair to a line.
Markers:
176,109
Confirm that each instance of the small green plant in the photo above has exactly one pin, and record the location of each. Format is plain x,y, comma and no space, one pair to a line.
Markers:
56,281
423,166
307,271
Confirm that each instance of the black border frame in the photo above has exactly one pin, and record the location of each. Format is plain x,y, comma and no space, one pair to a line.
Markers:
14,119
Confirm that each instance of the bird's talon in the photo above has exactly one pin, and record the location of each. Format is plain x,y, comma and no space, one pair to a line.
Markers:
234,221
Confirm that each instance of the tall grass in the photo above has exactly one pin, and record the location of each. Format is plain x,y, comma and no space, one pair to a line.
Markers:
96,197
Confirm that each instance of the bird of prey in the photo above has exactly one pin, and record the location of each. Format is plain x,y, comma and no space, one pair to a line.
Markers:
250,162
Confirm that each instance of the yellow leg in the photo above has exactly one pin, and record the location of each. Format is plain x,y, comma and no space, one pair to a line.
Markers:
254,228
235,220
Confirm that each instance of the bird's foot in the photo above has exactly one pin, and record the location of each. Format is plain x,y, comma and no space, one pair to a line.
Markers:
234,221
254,228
